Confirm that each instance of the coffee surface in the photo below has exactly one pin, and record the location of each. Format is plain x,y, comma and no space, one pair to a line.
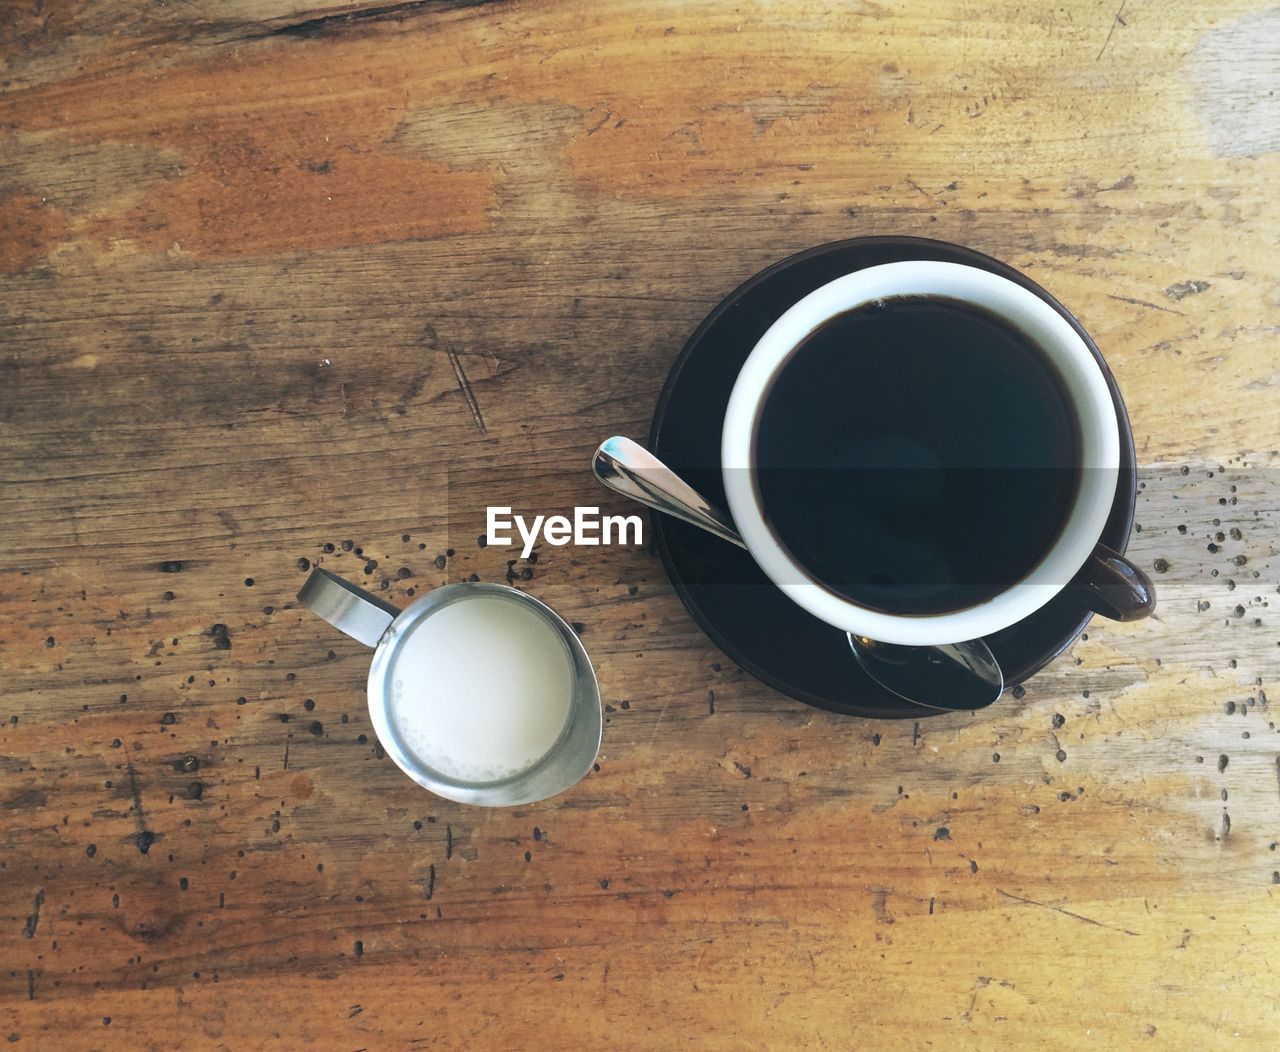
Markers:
917,455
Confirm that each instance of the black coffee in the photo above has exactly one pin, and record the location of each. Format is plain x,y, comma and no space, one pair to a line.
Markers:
917,455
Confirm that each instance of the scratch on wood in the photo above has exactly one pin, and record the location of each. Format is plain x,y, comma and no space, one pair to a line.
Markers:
286,756
464,385
448,841
323,24
145,836
1117,21
31,984
1065,913
33,921
431,880
661,716
599,124
1143,303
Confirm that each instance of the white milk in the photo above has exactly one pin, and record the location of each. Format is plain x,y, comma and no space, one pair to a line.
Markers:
482,689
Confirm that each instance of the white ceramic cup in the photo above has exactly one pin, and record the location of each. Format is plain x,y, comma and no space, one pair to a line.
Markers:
1057,340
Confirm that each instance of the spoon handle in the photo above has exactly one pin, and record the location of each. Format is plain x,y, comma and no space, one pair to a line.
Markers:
628,468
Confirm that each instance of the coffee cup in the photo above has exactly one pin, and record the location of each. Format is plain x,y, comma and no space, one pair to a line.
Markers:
925,453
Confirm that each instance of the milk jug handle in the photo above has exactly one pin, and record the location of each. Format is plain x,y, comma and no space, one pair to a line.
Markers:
360,614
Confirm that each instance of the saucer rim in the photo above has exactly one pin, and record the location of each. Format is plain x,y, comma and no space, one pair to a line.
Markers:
1116,532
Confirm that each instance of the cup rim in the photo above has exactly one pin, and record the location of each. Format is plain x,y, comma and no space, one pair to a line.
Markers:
567,761
1056,338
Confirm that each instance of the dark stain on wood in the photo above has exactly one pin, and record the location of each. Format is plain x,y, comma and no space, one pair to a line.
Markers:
27,800
33,919
326,24
144,838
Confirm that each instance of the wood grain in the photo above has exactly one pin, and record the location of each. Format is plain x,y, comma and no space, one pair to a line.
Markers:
275,277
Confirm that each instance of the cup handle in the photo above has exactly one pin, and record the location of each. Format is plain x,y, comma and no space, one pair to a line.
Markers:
360,614
1110,585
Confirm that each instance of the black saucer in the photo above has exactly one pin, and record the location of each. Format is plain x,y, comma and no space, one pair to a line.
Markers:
737,606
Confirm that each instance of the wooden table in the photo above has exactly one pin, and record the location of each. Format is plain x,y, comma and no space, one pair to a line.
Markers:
278,278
